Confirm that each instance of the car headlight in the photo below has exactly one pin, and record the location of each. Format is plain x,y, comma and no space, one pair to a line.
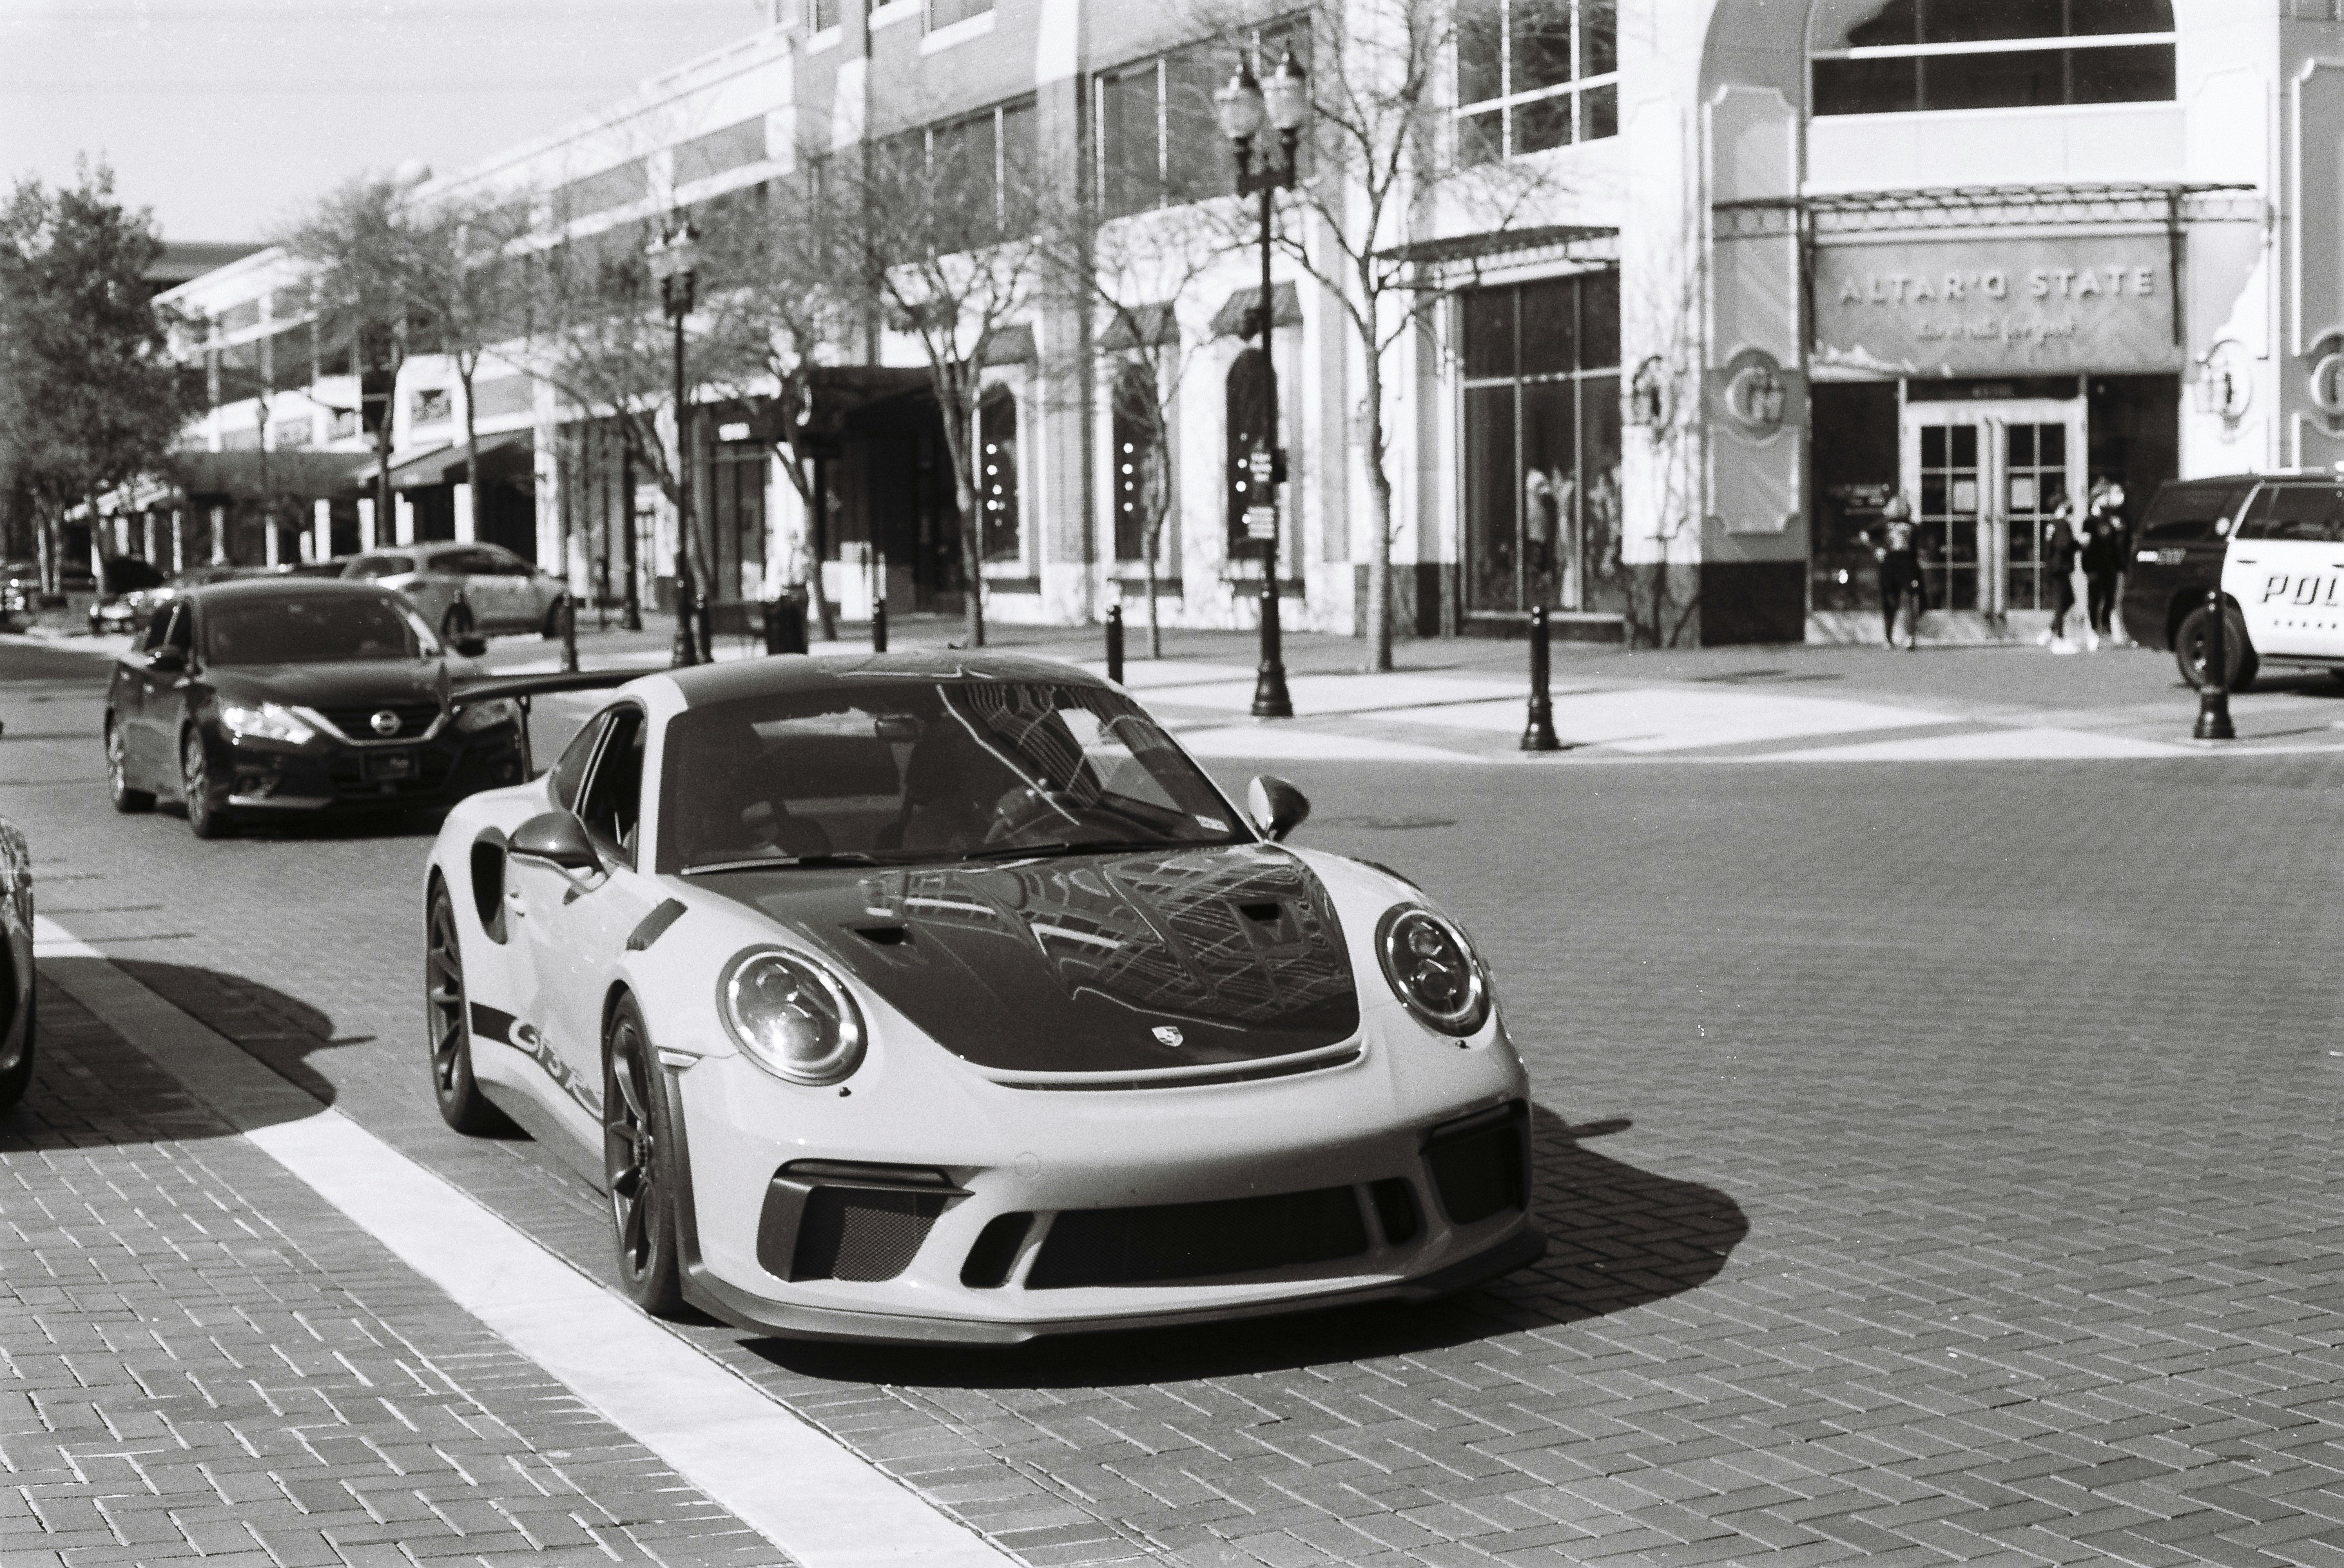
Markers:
1433,969
790,1016
268,721
488,715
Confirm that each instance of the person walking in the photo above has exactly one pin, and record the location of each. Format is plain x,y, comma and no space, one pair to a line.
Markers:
2061,548
2103,552
1897,550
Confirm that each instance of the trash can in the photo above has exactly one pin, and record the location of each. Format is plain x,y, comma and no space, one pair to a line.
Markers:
785,623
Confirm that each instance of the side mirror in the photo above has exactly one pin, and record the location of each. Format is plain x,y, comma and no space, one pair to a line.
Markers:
1276,807
558,839
168,660
470,647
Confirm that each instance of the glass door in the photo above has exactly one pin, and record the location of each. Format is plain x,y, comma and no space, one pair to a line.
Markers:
1986,479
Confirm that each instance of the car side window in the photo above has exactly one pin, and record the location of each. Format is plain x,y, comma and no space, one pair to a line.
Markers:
2296,514
158,625
379,566
447,564
611,805
505,563
2183,513
570,770
470,563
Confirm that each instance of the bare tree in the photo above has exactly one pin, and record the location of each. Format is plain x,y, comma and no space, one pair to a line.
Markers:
783,298
1379,156
464,278
944,225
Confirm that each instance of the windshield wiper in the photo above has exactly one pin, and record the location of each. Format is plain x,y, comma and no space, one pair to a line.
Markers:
767,862
1059,846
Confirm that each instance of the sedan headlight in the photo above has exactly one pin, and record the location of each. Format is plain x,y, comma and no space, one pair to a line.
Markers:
488,715
1434,970
268,721
790,1016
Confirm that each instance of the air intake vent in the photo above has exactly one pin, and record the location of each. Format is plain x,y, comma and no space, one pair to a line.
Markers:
995,1252
1198,1240
1481,1166
850,1233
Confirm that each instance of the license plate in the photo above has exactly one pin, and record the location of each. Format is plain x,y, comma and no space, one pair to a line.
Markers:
384,766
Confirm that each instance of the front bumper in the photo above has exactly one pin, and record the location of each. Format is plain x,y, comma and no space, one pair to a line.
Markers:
1020,1214
267,777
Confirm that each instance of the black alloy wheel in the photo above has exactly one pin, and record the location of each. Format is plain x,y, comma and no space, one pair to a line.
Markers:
447,1020
640,1167
207,816
457,622
2189,649
125,799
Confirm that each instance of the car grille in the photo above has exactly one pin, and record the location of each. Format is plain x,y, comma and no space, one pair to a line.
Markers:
851,1233
358,723
1480,1167
1198,1240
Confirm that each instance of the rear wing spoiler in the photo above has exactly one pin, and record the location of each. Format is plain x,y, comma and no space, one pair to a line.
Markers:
523,688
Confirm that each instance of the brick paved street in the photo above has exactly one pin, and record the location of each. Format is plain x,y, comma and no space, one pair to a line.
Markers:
1940,1160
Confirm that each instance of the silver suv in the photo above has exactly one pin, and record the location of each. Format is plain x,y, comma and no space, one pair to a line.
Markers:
467,588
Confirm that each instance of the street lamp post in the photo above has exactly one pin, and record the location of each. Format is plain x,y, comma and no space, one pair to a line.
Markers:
1243,107
675,261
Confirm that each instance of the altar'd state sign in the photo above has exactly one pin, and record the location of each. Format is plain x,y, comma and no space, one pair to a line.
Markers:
1996,308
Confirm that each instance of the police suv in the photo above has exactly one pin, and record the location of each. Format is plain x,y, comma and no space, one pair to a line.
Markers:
2274,542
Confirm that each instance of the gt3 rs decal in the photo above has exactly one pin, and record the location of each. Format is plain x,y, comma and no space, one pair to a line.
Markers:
492,1024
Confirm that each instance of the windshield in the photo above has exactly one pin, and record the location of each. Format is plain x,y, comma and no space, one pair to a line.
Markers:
327,630
903,771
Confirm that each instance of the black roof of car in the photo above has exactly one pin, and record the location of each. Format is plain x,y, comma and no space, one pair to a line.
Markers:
706,684
282,587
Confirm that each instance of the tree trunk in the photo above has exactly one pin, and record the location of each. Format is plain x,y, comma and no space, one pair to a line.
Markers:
1371,443
1154,622
471,455
972,558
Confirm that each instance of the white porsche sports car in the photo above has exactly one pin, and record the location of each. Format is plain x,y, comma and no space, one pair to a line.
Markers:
945,999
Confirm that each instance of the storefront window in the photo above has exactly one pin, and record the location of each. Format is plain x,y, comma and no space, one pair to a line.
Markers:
1137,457
736,517
1883,57
1542,445
1000,531
1533,74
1246,396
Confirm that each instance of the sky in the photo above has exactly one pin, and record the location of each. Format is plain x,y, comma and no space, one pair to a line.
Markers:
225,116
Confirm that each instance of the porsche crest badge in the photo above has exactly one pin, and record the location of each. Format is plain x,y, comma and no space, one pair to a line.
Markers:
1166,1034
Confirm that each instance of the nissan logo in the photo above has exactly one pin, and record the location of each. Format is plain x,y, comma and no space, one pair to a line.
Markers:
386,723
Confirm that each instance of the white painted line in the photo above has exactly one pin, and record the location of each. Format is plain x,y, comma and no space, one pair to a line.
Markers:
806,1493
2033,744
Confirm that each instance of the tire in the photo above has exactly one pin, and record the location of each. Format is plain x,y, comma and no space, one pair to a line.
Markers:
457,622
639,1167
18,1076
2189,649
127,801
551,630
207,816
448,1023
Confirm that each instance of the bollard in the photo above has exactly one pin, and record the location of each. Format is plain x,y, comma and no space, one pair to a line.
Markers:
879,627
1114,643
569,634
2214,696
1539,734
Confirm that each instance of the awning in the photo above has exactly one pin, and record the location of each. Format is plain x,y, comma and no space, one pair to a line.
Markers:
1991,207
446,466
1235,314
1144,326
253,475
1467,254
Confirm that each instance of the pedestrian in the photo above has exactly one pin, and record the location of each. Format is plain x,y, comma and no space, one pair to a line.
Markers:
1897,551
2103,559
2061,548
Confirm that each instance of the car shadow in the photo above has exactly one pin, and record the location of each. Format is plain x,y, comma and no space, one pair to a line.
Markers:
1618,1237
91,1088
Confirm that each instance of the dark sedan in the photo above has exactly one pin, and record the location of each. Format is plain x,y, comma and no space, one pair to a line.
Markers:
276,695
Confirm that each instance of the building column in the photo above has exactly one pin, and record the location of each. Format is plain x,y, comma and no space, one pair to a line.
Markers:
219,535
402,519
463,512
147,534
268,542
321,515
366,540
179,540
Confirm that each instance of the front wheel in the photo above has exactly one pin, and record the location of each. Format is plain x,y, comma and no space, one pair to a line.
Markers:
640,1166
448,1019
2189,640
117,775
207,816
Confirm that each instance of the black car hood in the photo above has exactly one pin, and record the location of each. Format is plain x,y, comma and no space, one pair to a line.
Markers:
330,685
1074,964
